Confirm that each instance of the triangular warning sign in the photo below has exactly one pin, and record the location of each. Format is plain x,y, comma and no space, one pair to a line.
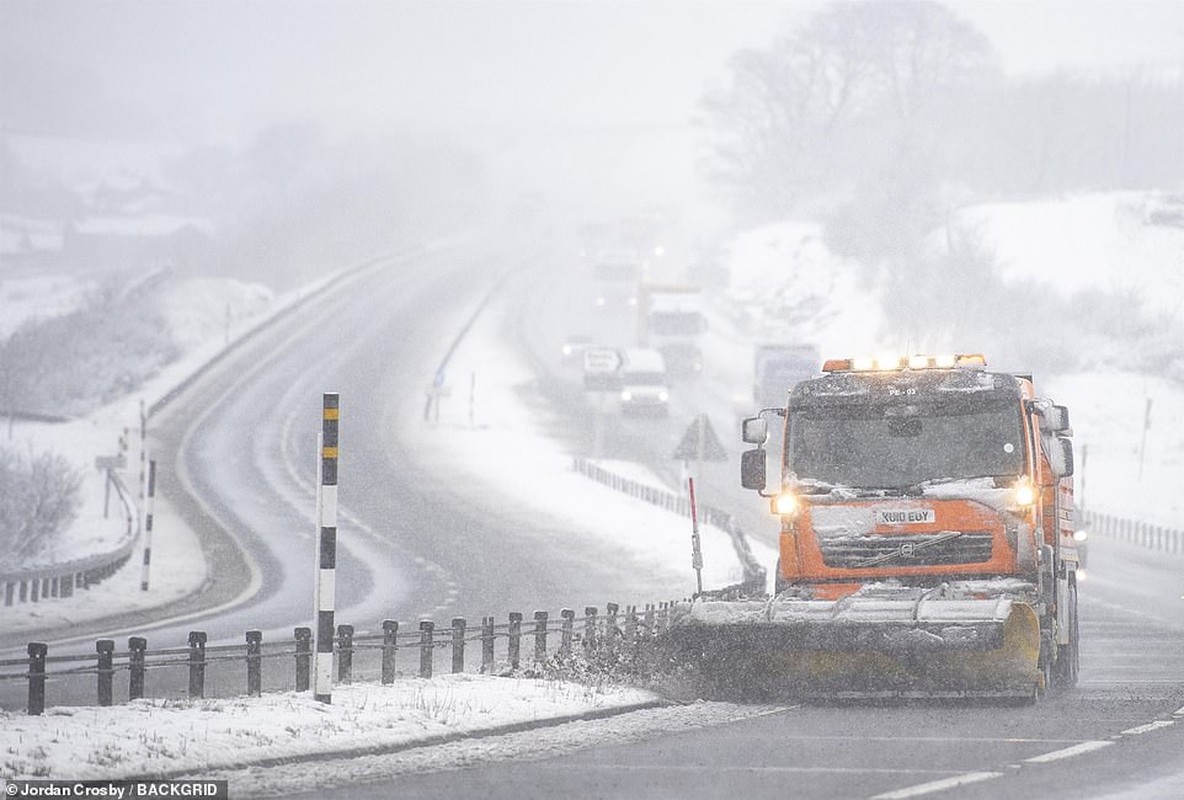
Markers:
700,442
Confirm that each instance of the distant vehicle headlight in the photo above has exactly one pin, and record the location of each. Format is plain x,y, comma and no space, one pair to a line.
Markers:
626,396
1081,536
663,396
567,349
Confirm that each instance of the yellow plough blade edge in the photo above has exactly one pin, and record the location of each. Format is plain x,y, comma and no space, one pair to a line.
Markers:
993,654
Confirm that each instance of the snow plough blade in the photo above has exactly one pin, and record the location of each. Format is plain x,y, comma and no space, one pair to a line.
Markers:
862,647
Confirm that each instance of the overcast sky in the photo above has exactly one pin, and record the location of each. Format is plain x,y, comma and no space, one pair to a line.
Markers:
229,67
595,97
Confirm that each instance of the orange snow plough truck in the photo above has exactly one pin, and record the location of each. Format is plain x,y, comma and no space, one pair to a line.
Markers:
926,544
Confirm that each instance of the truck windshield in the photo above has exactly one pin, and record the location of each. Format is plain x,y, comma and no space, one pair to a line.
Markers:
675,323
894,446
644,379
616,272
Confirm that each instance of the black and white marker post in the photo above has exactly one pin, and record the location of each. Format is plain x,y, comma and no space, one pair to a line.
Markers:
149,507
322,681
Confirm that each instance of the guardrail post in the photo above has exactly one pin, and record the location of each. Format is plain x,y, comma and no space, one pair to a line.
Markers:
486,645
540,636
136,645
648,622
345,654
610,626
569,617
303,638
106,672
458,644
515,638
254,663
426,634
37,652
197,664
589,628
390,646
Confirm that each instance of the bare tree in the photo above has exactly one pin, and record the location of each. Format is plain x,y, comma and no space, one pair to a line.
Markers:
19,369
819,103
39,498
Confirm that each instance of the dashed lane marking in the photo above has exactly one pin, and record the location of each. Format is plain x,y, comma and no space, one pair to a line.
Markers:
1179,712
938,786
1069,752
1150,726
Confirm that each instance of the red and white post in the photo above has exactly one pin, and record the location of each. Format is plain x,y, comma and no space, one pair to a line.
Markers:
696,550
149,509
326,583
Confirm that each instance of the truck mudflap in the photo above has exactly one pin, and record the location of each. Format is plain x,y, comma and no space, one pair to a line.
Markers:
865,646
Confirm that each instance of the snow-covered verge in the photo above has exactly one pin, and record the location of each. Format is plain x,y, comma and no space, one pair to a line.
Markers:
170,737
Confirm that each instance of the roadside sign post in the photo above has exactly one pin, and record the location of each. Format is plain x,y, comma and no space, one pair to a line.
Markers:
107,464
696,550
602,379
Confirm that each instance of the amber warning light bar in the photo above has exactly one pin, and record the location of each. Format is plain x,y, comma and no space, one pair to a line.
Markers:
893,362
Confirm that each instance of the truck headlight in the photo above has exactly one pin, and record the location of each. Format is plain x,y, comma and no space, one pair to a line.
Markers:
1025,494
785,504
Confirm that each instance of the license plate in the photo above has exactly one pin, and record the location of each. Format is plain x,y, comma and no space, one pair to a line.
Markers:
906,516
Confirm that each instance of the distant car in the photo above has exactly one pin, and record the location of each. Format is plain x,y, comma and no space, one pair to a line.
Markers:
574,347
644,387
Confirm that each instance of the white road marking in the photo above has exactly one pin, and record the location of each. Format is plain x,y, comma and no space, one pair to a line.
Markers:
1179,712
938,786
1068,752
1150,726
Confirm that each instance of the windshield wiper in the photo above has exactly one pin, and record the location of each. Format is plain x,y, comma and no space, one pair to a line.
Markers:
875,561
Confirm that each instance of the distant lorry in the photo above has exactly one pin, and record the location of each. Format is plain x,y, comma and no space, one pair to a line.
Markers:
644,385
616,274
777,367
927,538
670,318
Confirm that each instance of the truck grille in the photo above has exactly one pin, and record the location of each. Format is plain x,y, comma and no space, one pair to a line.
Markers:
972,547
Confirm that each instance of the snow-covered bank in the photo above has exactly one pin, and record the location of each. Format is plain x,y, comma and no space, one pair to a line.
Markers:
169,737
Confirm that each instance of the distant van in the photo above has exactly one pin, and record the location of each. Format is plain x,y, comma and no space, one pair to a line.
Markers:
644,389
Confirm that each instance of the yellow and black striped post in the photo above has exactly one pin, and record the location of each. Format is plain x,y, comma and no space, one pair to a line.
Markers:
148,514
322,686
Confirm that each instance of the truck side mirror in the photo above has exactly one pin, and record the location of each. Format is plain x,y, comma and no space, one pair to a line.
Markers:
1055,419
754,430
752,469
1064,469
